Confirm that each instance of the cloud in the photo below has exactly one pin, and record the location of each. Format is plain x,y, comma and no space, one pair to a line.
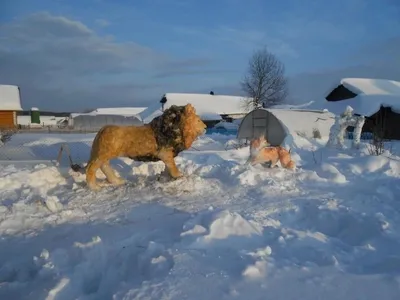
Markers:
60,63
250,39
194,72
62,99
380,60
102,22
232,89
70,48
191,67
240,38
384,52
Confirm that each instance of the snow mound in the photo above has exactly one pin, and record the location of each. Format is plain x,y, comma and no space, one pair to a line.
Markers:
41,179
225,229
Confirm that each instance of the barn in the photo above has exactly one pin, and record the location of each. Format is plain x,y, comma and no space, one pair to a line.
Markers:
376,99
10,103
211,108
278,124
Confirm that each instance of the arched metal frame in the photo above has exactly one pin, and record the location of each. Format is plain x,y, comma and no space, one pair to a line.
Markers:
262,122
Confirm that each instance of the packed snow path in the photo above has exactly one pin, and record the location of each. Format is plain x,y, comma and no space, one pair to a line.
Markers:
330,229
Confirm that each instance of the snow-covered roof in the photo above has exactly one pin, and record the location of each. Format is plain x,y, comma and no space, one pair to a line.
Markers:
10,98
291,106
113,111
371,95
208,107
305,120
365,105
119,110
368,86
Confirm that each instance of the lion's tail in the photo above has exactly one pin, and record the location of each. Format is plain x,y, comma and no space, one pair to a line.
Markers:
96,139
285,158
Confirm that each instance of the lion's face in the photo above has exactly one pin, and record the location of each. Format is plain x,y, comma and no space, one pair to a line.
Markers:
258,143
192,126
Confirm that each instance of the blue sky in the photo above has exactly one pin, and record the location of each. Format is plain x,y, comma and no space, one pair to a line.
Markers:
90,53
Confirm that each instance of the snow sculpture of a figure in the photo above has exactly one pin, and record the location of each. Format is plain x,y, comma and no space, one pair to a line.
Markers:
337,131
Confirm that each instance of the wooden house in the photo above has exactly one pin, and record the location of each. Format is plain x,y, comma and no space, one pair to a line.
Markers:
376,99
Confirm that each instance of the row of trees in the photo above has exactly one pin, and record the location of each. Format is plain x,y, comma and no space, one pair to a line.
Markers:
265,82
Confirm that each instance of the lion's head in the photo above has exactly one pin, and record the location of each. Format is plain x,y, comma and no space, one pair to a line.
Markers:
257,144
192,126
177,128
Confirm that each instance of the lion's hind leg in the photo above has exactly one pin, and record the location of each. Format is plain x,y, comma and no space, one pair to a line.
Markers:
285,159
91,169
110,174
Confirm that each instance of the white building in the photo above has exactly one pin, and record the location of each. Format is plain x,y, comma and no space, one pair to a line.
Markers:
99,117
210,108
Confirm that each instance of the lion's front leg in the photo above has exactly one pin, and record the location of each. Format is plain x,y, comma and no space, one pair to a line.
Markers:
167,157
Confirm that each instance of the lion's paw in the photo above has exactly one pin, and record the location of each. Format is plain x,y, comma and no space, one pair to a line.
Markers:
94,187
119,181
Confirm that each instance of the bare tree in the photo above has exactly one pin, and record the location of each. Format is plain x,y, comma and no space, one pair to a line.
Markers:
265,82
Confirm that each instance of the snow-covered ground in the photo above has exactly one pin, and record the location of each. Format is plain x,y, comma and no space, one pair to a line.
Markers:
329,229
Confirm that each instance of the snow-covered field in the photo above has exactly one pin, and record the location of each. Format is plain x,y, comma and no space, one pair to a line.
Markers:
330,229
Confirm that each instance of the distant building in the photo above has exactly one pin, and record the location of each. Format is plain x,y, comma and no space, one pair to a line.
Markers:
10,103
376,99
99,117
210,107
131,111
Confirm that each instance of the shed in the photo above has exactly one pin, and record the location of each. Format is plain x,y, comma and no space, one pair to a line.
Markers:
10,103
35,115
210,107
277,124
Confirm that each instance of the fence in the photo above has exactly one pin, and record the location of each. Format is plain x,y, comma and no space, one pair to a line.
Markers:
364,135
